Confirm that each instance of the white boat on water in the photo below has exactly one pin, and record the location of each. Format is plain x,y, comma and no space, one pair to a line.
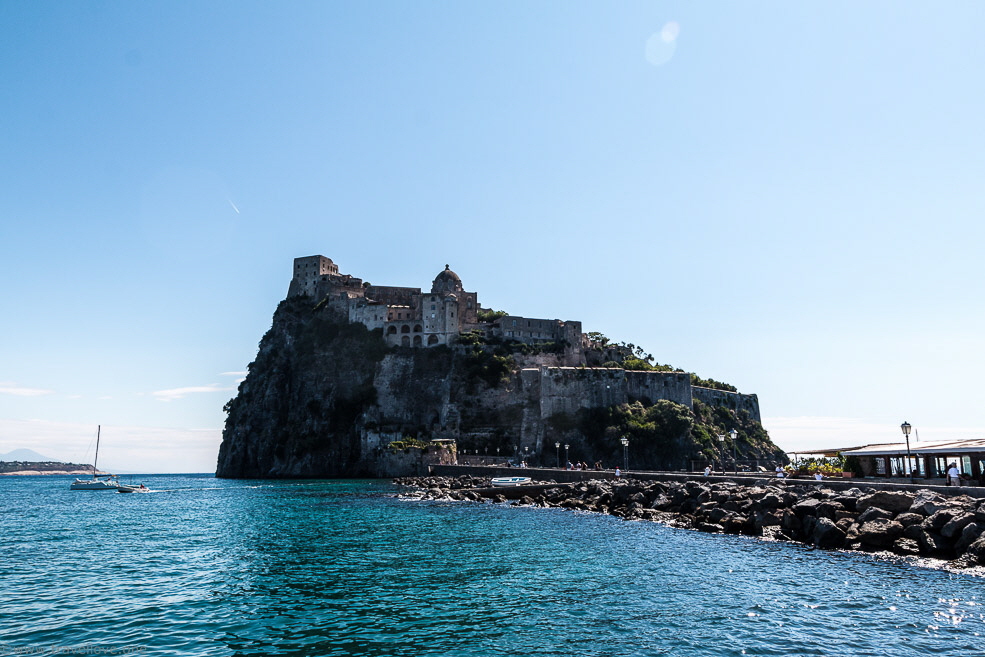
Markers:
104,482
510,481
133,489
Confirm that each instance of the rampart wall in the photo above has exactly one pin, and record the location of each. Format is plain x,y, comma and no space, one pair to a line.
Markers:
651,386
733,400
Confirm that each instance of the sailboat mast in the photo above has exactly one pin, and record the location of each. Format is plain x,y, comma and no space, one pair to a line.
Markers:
99,429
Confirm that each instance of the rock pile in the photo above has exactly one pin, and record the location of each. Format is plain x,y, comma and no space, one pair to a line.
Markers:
923,523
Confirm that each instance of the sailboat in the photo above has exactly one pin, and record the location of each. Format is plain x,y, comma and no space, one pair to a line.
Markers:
108,482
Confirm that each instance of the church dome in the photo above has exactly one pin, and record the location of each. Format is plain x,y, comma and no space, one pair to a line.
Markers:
446,281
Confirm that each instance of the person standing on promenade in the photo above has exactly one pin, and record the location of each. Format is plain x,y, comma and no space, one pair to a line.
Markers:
953,475
707,470
618,472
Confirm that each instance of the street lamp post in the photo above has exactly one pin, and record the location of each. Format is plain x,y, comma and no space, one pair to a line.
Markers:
566,459
906,432
721,445
625,452
735,464
557,454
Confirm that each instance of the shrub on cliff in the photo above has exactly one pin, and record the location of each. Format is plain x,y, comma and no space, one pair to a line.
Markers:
490,315
711,383
487,366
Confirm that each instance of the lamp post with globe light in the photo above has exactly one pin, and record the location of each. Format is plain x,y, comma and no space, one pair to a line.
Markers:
906,432
733,434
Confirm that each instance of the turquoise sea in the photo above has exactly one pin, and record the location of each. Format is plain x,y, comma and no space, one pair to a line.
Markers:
216,567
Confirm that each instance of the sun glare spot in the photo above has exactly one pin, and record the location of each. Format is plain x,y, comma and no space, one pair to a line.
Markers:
660,47
670,31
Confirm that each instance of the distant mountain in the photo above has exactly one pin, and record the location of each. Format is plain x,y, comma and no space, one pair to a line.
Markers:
25,455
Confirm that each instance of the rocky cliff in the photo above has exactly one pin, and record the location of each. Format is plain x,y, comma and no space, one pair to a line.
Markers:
329,398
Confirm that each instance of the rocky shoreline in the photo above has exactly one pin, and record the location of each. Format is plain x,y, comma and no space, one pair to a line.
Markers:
921,524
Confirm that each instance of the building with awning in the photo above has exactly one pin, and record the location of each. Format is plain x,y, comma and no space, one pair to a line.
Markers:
924,459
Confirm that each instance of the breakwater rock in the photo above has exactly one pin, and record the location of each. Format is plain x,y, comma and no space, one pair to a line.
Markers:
922,523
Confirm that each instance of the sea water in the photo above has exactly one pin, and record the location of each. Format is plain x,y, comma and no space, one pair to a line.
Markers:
205,566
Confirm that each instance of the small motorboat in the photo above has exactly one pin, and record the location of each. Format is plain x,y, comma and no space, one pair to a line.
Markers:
510,481
133,489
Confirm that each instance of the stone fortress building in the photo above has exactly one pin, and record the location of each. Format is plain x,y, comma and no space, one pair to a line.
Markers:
561,383
412,318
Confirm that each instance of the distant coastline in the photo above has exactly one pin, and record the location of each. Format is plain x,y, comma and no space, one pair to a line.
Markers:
45,468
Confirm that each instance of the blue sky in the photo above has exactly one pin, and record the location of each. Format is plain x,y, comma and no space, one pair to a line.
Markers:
783,196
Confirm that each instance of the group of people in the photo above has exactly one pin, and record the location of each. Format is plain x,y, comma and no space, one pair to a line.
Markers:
581,465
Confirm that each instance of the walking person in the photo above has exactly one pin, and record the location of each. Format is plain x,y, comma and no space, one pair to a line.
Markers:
953,475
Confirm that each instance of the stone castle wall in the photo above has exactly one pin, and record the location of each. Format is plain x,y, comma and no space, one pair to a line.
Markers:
648,387
733,400
372,315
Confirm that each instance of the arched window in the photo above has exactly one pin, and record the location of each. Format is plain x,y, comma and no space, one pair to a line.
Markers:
392,330
405,341
417,328
417,341
432,339
405,329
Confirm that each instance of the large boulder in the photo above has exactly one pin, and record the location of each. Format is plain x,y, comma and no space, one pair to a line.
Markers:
980,512
829,509
892,501
927,503
873,513
907,519
977,550
954,527
936,521
880,533
932,543
969,535
771,501
827,534
806,507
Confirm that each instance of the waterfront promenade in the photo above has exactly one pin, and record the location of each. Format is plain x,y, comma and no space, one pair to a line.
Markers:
561,475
